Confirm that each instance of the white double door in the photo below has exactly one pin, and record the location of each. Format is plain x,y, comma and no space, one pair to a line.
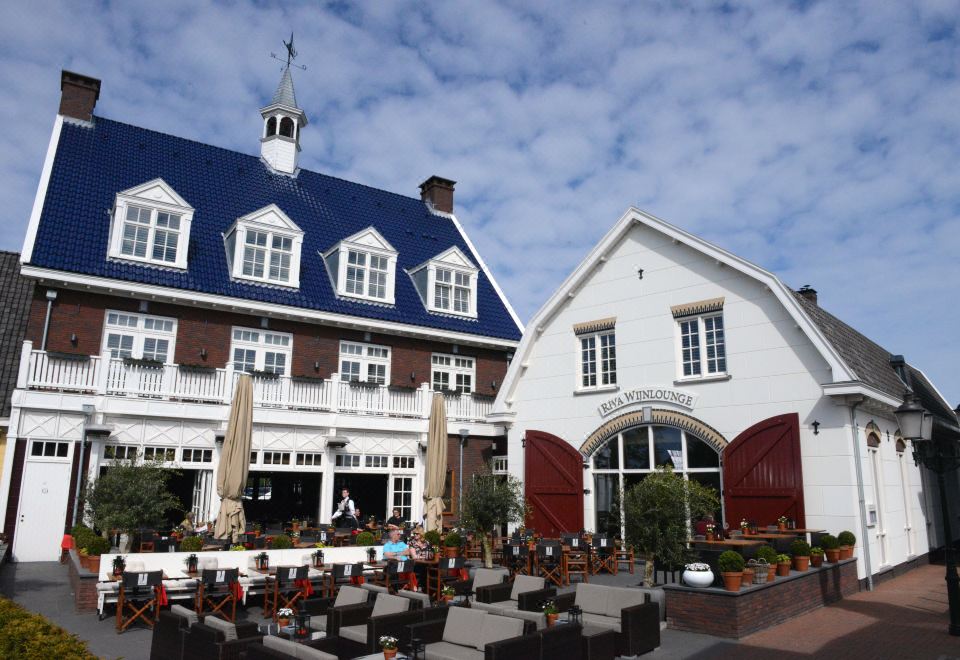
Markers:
42,510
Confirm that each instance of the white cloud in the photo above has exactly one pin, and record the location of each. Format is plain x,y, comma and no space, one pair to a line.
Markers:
817,139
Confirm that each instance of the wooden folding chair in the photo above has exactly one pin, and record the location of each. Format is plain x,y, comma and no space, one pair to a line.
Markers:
576,561
516,557
550,561
218,590
604,557
623,554
345,574
285,589
138,594
396,577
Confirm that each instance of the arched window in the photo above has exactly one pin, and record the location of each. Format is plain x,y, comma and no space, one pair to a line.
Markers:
286,127
876,510
627,457
271,126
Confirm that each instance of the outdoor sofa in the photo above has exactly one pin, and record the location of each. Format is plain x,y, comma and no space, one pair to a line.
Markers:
628,611
520,599
470,634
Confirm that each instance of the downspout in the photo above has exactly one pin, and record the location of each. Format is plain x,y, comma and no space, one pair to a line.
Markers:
854,433
51,296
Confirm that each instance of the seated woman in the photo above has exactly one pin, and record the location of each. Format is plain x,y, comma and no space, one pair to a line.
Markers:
187,524
394,548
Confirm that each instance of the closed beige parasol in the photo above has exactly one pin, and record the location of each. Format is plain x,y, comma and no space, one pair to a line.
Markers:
436,475
235,462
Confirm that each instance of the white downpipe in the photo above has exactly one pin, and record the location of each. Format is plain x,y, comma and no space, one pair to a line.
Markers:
855,433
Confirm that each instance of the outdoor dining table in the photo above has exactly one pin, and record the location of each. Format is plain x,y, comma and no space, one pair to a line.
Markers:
728,543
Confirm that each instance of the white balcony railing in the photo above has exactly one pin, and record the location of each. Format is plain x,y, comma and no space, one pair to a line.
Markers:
102,374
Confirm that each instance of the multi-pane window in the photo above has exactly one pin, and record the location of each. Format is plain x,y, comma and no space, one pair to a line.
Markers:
261,350
367,274
129,335
309,458
50,449
120,452
366,363
404,462
267,256
197,455
453,372
276,458
500,465
150,234
702,342
403,496
347,460
375,461
451,291
598,360
168,454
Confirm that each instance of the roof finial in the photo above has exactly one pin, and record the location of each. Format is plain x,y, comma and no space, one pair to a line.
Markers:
291,54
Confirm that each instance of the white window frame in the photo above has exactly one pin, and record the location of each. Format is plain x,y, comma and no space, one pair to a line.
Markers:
366,356
55,445
277,226
702,348
141,335
256,340
369,244
455,370
605,379
156,197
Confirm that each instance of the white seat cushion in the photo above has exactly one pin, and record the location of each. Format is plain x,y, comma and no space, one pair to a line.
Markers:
537,617
295,650
375,588
524,583
448,651
354,633
497,628
415,595
387,604
463,626
601,621
188,615
228,629
108,587
485,577
491,608
351,596
592,598
618,599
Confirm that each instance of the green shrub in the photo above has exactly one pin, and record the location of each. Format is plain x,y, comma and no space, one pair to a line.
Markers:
29,636
81,536
191,544
816,551
97,546
432,537
730,562
281,542
453,540
767,554
847,538
364,538
800,548
829,542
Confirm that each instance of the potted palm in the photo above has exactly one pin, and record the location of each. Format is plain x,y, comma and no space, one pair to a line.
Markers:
731,569
698,575
783,565
769,555
831,547
800,550
847,542
816,557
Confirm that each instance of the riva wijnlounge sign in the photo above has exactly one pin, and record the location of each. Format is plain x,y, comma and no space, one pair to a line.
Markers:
642,395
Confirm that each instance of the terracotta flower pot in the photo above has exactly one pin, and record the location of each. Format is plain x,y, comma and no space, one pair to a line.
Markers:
731,581
781,526
747,577
283,622
709,536
84,560
552,619
833,556
389,653
94,564
801,563
771,572
816,561
783,570
846,552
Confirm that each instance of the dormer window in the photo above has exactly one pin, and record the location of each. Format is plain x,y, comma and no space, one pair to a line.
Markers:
151,224
448,283
363,266
264,246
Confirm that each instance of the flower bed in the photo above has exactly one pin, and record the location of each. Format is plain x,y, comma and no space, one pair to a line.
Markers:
715,611
29,636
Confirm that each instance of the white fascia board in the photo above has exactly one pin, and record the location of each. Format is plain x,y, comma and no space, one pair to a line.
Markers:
178,203
856,387
107,285
599,253
27,252
483,267
354,241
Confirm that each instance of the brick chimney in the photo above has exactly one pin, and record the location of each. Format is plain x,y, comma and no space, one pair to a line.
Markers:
78,95
438,192
809,293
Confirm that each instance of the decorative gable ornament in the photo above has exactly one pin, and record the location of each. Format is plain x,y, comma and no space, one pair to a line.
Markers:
265,246
150,223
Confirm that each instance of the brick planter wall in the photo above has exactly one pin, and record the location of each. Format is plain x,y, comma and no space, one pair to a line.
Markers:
83,584
737,614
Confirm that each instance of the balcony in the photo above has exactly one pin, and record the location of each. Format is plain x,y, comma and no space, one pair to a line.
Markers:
104,375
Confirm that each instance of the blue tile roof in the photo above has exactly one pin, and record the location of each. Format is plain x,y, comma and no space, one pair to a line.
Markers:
93,164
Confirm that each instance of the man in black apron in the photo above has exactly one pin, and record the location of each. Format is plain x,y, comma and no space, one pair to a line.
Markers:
345,516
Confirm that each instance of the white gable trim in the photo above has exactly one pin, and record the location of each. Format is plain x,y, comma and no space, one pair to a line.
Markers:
28,241
158,196
162,194
368,239
262,218
841,372
453,257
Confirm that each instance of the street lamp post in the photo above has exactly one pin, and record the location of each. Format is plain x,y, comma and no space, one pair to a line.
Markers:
464,433
939,457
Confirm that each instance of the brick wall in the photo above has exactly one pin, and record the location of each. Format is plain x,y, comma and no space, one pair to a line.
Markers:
83,584
316,348
476,458
737,614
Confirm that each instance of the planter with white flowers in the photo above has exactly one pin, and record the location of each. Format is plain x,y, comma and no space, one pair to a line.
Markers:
698,575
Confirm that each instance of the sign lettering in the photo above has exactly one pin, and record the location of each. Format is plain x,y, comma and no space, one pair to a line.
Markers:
647,395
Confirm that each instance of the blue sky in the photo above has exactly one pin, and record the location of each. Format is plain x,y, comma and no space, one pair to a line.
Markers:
820,140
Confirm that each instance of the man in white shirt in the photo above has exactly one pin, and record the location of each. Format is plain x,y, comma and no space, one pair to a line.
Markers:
346,509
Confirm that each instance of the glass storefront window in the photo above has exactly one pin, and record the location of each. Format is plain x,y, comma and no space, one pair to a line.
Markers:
606,488
636,449
700,454
668,447
608,456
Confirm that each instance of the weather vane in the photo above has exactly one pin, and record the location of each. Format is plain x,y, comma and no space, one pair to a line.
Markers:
291,54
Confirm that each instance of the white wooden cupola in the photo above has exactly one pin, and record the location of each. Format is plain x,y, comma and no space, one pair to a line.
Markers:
282,121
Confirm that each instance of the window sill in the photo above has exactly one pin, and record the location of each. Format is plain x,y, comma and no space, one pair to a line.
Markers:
702,379
596,390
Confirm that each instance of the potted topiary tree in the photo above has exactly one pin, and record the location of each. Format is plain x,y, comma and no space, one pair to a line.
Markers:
280,542
451,544
365,538
831,547
816,557
489,502
847,542
731,569
783,565
769,555
96,547
800,550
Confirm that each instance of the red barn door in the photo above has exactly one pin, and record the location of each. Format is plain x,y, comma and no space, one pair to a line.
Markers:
553,480
762,476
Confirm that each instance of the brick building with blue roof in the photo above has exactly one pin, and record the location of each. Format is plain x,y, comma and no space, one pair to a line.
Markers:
164,268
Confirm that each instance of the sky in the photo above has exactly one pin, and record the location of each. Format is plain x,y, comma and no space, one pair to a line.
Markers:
820,140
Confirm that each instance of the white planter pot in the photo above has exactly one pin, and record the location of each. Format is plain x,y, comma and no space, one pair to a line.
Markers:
699,579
